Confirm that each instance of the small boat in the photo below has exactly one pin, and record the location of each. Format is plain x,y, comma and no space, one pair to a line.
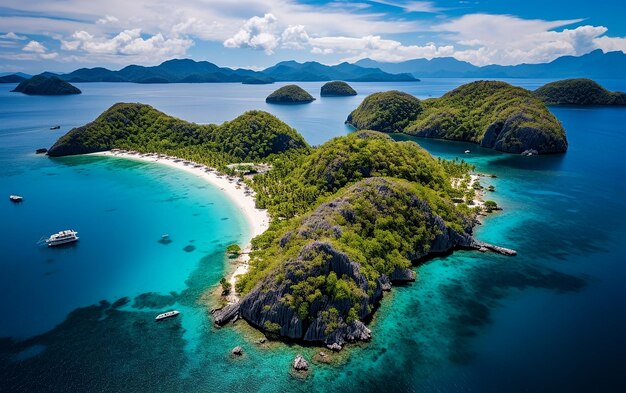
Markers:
41,151
166,315
55,127
16,198
467,152
63,237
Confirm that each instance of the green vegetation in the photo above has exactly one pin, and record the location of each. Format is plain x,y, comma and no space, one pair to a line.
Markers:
578,92
349,216
337,89
327,266
233,249
290,94
226,286
493,114
390,111
490,206
45,85
253,136
299,181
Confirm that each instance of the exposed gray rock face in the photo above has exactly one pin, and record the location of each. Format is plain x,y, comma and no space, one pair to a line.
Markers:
230,311
508,136
237,351
326,318
300,364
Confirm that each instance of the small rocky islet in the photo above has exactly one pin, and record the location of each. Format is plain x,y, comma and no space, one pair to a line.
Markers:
46,86
289,95
337,89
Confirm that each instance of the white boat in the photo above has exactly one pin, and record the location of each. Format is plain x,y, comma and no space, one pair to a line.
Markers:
467,152
166,315
16,198
63,237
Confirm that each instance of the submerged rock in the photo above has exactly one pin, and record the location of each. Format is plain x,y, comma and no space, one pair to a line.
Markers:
237,351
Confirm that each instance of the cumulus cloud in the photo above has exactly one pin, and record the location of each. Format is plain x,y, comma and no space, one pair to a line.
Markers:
377,48
12,36
35,47
256,33
505,39
35,50
295,37
128,42
610,44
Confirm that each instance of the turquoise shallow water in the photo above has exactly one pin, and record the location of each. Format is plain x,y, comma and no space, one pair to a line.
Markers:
550,319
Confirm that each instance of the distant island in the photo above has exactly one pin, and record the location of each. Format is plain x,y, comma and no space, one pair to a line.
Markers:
14,78
596,64
337,89
45,86
261,80
290,94
578,92
349,217
190,71
492,114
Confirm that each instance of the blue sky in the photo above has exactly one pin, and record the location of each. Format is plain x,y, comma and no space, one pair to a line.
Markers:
38,35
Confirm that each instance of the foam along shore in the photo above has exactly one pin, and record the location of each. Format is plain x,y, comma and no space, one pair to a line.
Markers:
239,193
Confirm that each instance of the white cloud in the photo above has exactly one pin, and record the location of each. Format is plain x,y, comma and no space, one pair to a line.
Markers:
12,36
610,44
505,39
107,19
412,6
128,43
295,37
34,47
377,48
256,33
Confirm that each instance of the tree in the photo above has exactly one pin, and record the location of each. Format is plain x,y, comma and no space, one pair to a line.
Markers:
491,206
233,249
226,286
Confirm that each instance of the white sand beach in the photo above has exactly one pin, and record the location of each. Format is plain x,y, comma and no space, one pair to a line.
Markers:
258,219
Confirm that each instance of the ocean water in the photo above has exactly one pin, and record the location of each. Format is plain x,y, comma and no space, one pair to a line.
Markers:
80,318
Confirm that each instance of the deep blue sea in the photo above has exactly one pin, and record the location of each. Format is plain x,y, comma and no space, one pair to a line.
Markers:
80,318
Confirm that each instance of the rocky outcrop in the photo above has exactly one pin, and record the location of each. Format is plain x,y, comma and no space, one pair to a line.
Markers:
328,318
512,137
237,351
225,314
300,364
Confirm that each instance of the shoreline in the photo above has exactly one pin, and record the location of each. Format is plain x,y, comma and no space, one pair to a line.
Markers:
258,219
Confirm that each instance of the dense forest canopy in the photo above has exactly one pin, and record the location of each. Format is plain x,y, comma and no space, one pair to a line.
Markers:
493,114
578,92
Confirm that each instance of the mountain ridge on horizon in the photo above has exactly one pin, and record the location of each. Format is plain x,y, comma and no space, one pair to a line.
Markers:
596,64
192,71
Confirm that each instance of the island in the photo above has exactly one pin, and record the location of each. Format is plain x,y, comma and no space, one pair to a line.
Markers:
349,218
579,91
46,86
290,94
337,89
261,80
253,136
13,78
492,114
